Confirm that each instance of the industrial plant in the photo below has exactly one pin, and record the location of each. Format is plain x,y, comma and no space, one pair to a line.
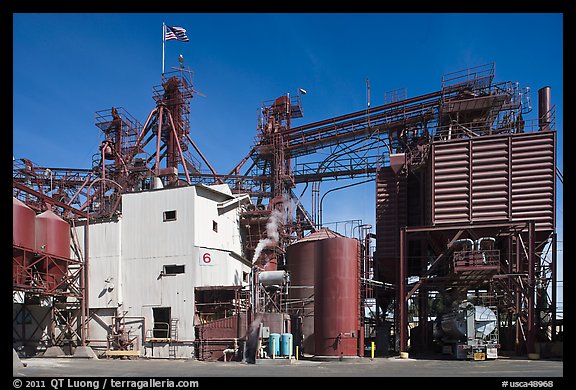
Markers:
151,253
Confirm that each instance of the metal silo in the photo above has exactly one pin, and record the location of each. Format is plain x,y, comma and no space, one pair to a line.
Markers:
53,239
300,259
23,219
337,298
23,237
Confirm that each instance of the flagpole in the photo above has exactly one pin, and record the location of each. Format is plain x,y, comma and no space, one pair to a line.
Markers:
163,43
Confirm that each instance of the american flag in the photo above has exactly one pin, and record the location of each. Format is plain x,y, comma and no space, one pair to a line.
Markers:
177,33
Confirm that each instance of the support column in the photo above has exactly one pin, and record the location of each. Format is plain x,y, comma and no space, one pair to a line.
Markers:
531,331
518,300
554,282
402,293
159,140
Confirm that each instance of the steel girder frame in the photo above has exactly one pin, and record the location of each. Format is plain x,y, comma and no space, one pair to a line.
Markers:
527,272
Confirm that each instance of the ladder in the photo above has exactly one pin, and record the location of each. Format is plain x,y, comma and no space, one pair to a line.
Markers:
173,347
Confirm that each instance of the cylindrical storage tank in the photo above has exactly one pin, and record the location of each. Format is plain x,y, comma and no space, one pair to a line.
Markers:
286,344
269,278
274,344
23,224
53,239
337,298
23,235
300,259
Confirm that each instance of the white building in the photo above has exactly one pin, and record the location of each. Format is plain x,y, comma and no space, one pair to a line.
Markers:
145,266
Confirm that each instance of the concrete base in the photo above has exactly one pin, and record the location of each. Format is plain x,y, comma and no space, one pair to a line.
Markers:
84,352
54,351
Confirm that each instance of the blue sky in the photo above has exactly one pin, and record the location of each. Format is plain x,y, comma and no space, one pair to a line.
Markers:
68,66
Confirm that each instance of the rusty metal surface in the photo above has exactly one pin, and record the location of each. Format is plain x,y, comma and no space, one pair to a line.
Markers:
212,338
337,298
221,328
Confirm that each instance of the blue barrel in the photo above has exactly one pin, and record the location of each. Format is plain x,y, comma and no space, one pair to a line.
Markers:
274,344
286,344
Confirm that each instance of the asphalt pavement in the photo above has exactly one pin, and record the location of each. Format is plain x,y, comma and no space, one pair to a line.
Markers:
361,367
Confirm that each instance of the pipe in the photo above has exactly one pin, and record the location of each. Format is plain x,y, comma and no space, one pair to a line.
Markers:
544,108
465,241
334,189
484,239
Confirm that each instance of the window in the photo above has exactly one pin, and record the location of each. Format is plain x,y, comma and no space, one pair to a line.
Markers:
173,269
215,226
169,215
161,322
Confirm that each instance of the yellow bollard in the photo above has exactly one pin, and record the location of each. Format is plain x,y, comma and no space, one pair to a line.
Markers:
296,352
372,351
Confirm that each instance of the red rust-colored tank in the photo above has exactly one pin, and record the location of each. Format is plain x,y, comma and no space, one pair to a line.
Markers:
23,235
337,298
300,259
53,239
23,224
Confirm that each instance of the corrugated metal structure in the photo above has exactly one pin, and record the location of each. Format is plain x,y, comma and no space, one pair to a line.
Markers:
495,178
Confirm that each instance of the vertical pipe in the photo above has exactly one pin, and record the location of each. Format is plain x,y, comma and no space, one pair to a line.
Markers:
432,184
554,281
544,108
423,317
518,298
470,168
163,44
402,291
509,184
84,282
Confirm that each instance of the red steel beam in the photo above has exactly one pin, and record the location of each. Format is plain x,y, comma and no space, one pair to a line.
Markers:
48,199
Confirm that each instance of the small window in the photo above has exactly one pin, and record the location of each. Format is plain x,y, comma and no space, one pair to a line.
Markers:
215,226
169,215
173,269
